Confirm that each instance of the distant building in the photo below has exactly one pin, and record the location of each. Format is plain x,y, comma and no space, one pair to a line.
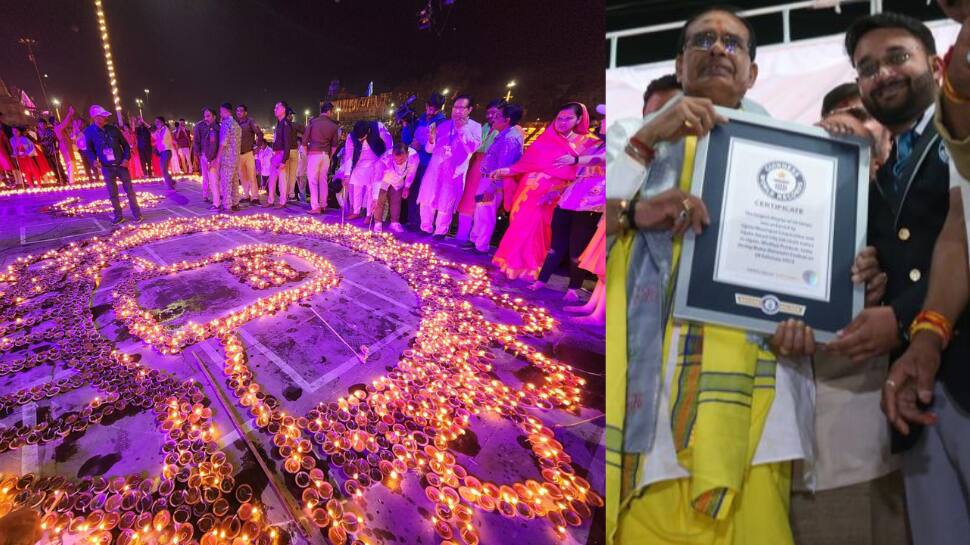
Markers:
348,109
13,111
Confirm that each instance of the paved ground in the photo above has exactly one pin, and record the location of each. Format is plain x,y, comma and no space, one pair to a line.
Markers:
310,353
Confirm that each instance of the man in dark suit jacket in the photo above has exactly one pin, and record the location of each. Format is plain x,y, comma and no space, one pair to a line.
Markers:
895,57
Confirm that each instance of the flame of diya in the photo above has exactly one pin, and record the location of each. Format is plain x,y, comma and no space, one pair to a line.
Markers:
401,424
72,206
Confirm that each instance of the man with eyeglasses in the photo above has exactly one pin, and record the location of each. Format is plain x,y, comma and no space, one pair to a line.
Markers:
898,70
920,364
450,143
680,471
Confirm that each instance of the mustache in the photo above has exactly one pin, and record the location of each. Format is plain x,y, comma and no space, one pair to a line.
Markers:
890,82
711,63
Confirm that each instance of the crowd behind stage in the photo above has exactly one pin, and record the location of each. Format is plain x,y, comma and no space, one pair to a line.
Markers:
723,436
434,168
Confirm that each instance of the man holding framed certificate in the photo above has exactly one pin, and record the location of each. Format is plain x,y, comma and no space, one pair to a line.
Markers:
780,193
704,418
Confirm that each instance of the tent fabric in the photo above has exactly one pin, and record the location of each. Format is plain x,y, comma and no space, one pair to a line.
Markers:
792,77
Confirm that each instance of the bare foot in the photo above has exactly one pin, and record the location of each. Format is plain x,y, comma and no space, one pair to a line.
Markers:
537,285
579,309
587,320
571,296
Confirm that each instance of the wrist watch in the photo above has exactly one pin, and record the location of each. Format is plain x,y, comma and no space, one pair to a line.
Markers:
621,218
626,215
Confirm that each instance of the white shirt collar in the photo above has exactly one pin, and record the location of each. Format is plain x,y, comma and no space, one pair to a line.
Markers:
922,123
925,120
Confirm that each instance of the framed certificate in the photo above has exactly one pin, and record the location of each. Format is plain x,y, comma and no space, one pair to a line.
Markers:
788,206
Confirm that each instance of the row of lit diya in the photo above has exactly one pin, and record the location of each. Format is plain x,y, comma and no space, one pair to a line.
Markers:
52,188
72,206
143,324
400,424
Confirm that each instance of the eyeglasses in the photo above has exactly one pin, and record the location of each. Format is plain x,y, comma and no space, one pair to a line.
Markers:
869,69
704,41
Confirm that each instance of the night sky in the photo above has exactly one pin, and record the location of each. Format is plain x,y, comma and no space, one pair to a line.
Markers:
203,52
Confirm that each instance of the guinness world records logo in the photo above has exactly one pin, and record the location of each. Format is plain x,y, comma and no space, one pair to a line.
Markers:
781,181
770,305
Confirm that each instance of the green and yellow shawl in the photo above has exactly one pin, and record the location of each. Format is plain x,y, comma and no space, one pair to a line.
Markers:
722,390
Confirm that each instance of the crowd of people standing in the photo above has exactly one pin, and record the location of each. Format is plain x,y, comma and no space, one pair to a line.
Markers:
435,170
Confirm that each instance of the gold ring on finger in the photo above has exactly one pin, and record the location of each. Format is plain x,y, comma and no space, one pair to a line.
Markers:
891,383
688,124
687,206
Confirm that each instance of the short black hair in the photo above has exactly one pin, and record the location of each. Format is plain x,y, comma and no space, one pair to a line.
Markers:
400,148
208,109
436,100
496,103
889,19
859,113
839,93
325,106
181,120
243,106
666,82
732,10
513,112
227,106
471,101
162,119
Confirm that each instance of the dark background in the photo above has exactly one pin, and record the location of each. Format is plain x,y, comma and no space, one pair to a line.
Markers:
192,53
660,46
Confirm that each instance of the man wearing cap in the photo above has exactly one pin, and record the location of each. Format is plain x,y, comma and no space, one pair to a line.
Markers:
108,149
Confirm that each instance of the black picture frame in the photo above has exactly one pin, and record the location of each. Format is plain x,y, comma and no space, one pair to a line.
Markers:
700,298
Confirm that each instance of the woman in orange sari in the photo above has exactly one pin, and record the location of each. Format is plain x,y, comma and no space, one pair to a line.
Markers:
541,178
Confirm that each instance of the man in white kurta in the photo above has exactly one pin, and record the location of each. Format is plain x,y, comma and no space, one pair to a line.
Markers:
451,144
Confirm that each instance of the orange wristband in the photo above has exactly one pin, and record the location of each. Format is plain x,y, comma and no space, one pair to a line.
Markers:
950,93
929,320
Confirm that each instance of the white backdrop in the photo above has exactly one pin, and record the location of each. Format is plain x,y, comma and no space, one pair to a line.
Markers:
792,77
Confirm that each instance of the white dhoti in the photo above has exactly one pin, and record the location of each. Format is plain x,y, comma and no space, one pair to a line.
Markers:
440,192
484,222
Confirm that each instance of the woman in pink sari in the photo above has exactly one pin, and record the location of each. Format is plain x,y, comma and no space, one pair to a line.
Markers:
541,179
